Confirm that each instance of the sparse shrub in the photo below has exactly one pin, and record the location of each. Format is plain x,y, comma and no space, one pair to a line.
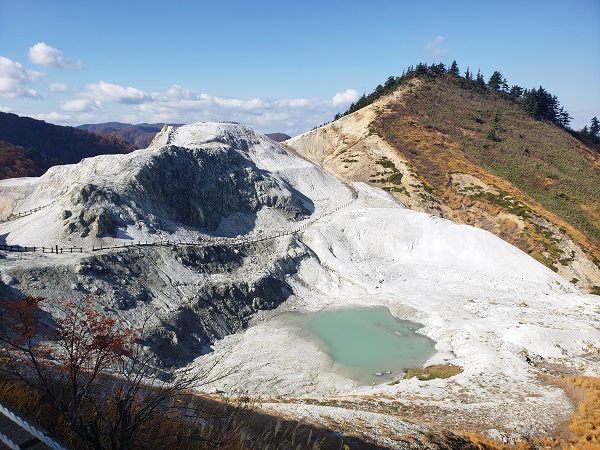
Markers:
385,162
432,372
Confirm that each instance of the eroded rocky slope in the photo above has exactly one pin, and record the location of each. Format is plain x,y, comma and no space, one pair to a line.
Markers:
192,186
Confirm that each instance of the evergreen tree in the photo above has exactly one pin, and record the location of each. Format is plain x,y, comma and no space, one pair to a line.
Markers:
421,69
495,81
453,70
479,81
564,118
595,129
516,91
390,84
585,131
437,69
468,76
545,106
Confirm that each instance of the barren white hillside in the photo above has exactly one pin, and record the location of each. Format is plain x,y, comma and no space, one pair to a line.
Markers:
493,310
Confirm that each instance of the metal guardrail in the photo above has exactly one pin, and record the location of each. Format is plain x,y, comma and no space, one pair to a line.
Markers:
27,427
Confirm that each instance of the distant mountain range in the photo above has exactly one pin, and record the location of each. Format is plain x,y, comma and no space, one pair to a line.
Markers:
28,147
139,135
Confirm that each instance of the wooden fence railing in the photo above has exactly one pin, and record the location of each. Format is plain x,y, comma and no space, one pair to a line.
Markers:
210,242
54,249
18,215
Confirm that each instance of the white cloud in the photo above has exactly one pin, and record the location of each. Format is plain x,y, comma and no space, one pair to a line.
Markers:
58,87
80,105
104,102
103,91
54,117
14,77
434,47
344,98
292,116
48,56
294,102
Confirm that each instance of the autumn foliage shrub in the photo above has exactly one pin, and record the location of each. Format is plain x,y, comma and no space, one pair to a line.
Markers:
84,378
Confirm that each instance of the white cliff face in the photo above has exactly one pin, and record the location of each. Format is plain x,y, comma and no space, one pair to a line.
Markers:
492,309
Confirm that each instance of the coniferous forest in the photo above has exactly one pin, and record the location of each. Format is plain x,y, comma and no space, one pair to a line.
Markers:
538,102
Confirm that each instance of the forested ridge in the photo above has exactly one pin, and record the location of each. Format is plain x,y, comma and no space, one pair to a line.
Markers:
538,102
28,147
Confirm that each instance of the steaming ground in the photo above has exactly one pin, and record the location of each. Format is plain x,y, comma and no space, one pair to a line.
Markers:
494,311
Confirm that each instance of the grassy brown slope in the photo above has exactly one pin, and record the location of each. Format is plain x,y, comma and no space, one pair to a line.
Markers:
540,173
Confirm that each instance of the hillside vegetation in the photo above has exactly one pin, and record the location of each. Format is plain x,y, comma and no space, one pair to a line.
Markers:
14,162
444,129
138,135
42,145
502,160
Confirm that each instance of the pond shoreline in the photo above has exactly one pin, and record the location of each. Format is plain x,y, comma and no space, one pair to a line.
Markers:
366,344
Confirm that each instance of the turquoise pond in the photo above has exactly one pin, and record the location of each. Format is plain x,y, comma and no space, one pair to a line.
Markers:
368,345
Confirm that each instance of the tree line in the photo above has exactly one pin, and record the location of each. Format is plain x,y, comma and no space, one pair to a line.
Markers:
591,133
538,102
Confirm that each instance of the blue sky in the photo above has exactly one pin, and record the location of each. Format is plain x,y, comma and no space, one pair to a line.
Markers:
277,66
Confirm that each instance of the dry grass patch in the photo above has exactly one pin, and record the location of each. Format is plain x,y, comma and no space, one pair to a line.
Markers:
585,424
226,424
432,372
482,443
